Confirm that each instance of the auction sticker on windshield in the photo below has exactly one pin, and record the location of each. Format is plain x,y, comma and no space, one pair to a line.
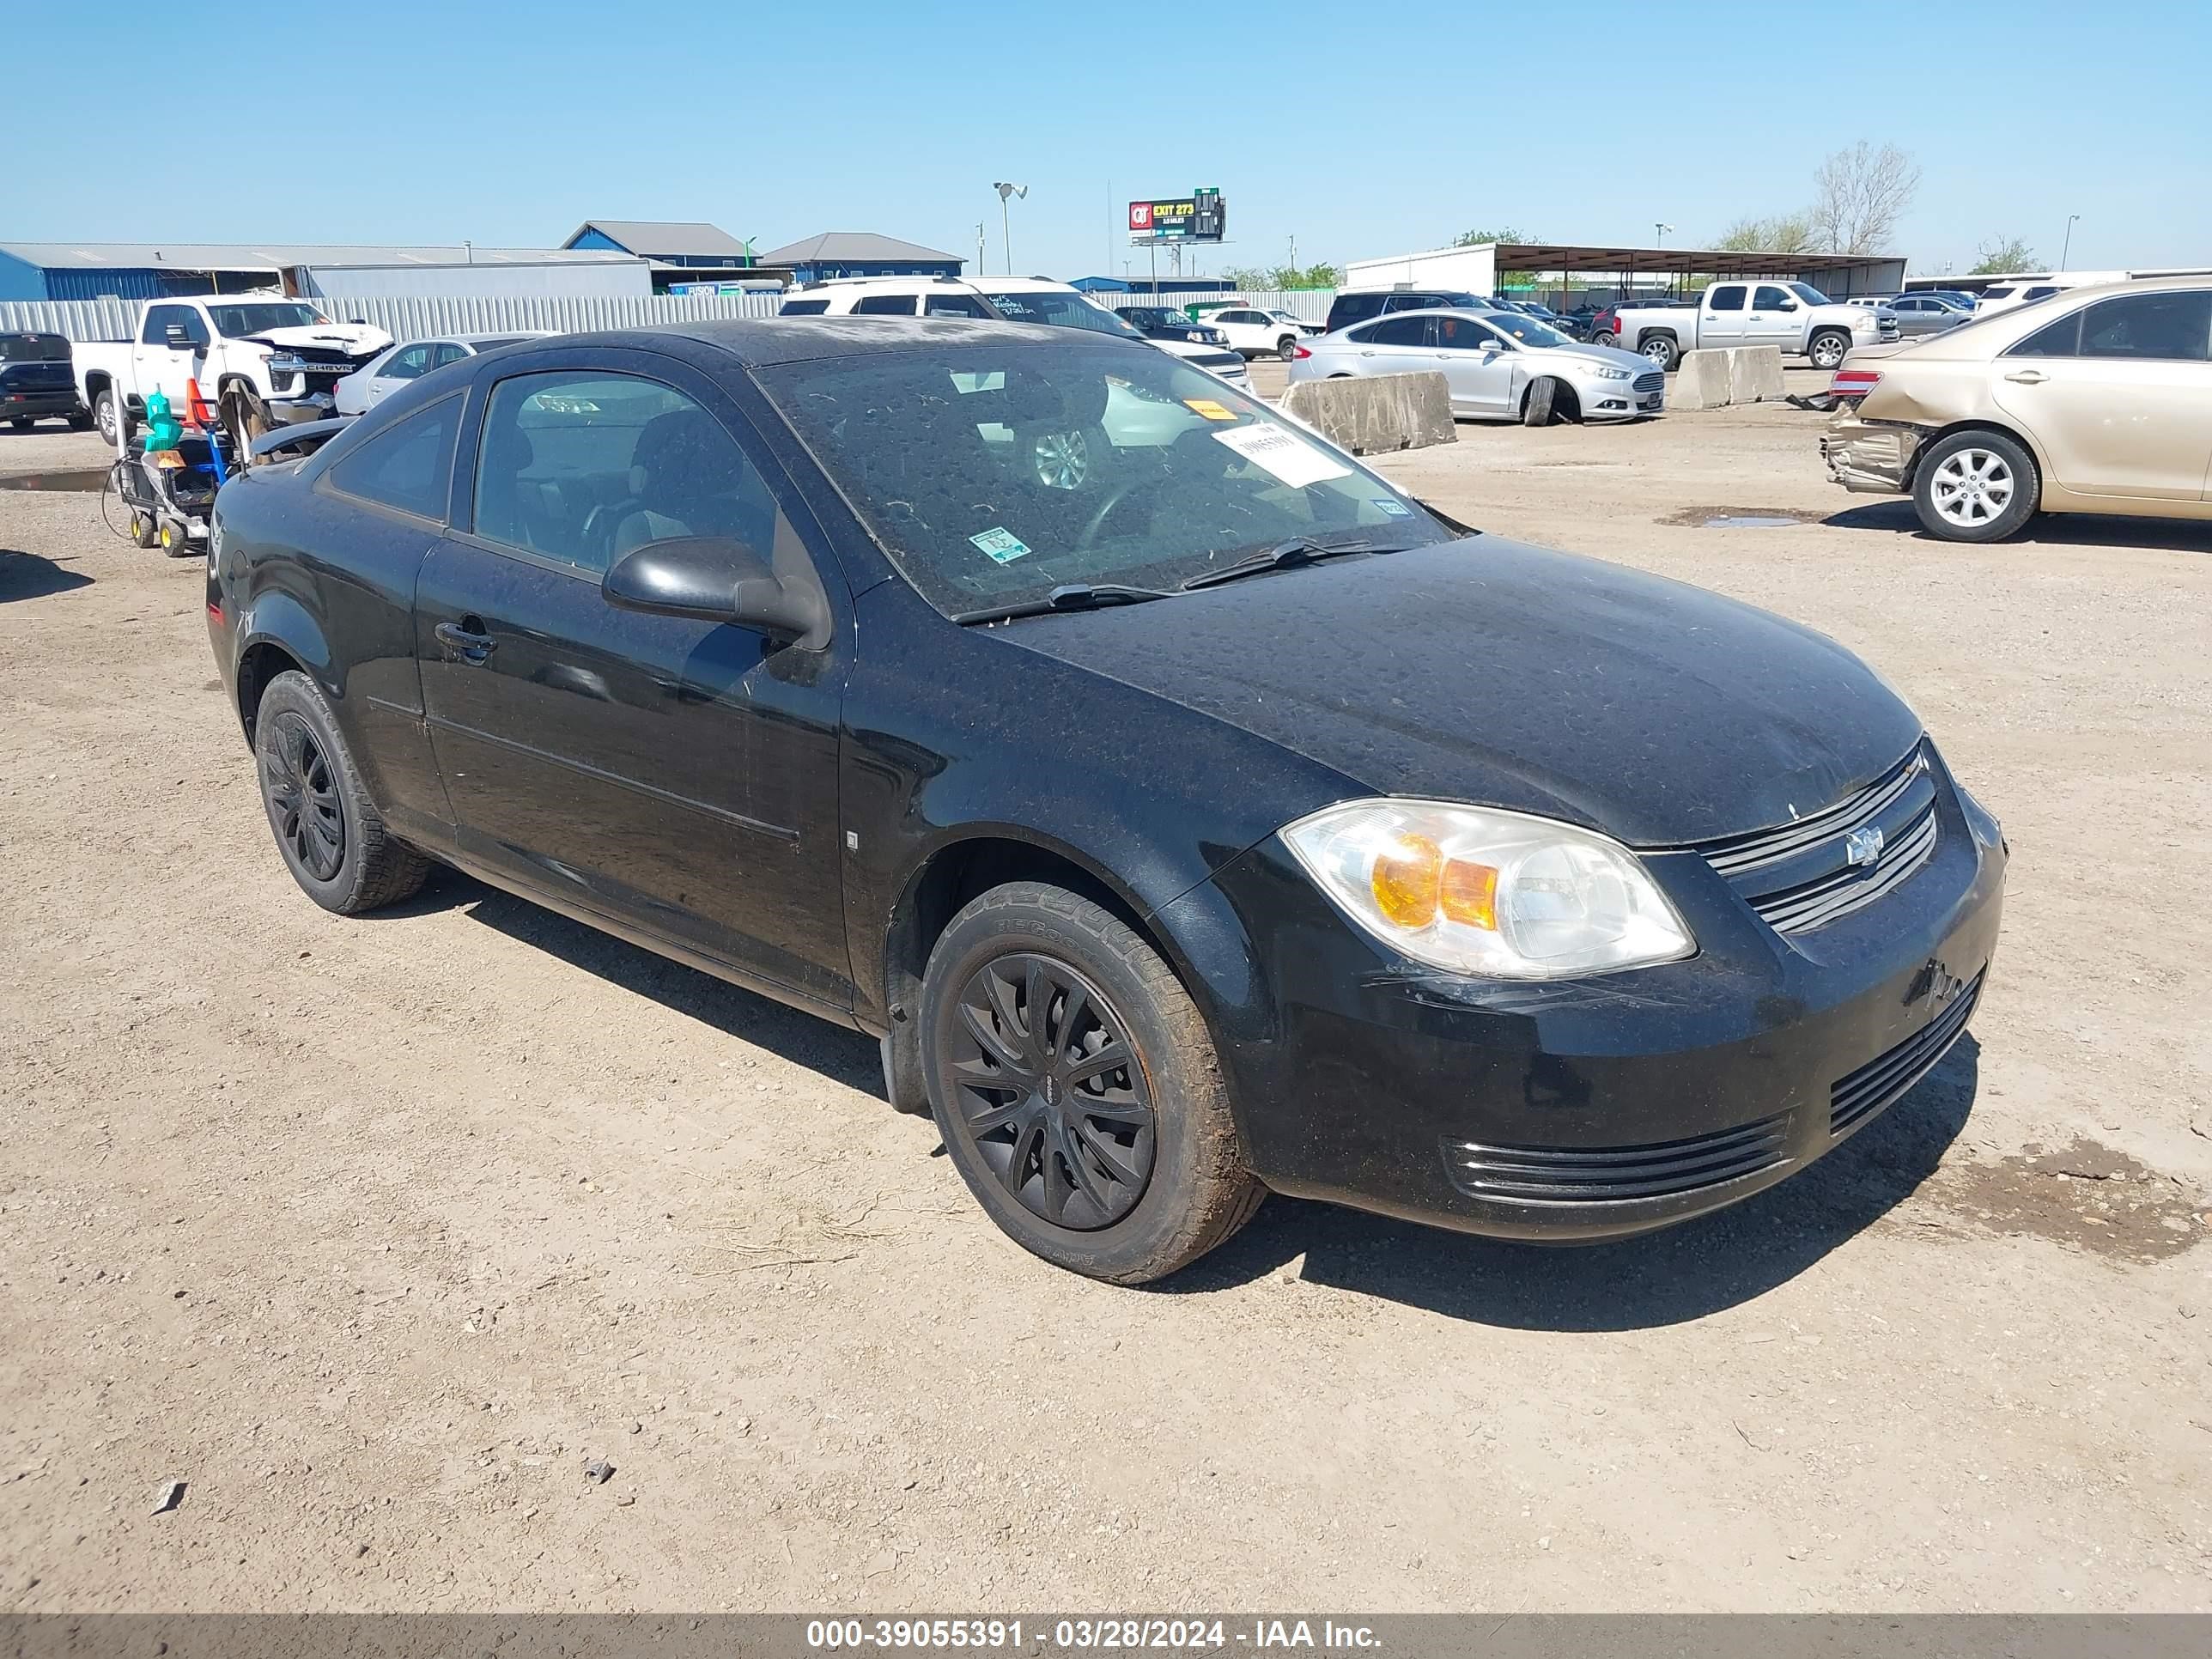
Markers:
1279,451
1000,545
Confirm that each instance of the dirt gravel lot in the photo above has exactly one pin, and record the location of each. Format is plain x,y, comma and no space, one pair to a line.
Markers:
372,1232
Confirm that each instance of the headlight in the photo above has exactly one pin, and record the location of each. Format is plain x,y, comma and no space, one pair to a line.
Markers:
1475,890
1605,374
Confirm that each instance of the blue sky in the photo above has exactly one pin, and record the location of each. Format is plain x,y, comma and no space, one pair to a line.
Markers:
508,124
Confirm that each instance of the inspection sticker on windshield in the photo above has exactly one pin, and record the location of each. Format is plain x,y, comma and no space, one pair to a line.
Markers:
1001,546
1393,509
1277,450
1207,407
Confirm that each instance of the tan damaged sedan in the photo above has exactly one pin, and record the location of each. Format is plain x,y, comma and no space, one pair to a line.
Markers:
2096,400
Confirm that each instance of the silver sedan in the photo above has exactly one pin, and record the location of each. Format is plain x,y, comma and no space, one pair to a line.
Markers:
382,375
1499,365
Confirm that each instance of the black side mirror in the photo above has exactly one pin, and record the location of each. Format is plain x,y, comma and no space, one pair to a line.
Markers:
714,579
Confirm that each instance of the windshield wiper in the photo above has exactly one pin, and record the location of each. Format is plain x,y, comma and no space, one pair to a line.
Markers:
1284,555
1068,596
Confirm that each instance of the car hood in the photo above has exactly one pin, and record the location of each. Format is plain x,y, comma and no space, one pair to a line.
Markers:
1491,671
355,340
1596,355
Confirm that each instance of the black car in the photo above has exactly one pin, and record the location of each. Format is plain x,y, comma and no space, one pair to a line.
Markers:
1165,323
37,382
1360,305
1188,812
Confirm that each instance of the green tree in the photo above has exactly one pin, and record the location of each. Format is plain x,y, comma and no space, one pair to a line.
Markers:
1780,233
1477,238
2011,254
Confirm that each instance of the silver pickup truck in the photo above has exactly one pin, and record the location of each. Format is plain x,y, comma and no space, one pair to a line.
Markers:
1795,316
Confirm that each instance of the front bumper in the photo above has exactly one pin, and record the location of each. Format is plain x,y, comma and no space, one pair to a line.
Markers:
1621,400
1873,457
1595,1107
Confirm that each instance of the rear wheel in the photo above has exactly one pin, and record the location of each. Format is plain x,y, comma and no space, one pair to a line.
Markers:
1077,1088
333,839
144,531
174,541
1661,350
1287,346
1975,486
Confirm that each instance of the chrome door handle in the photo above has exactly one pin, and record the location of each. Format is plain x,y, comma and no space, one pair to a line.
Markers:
2028,377
1367,354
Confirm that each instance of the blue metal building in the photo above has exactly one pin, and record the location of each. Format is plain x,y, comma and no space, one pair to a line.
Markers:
860,253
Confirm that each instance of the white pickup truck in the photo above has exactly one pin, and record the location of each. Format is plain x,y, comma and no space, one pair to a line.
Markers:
1795,316
262,361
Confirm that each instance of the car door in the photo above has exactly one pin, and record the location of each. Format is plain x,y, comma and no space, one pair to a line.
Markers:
673,775
1774,318
1478,364
1723,317
411,362
2118,395
172,341
1395,345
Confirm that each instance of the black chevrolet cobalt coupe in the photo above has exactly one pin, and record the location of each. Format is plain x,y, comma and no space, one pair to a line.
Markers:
1190,813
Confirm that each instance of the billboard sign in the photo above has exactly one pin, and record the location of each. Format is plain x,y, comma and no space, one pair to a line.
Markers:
1197,217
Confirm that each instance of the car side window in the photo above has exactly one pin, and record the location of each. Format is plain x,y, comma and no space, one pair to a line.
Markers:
2166,327
580,466
406,365
1729,296
1769,298
408,466
2060,339
160,319
447,351
884,304
953,305
1464,334
1409,329
804,307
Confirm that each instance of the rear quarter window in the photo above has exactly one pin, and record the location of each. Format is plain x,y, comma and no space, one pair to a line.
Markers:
408,466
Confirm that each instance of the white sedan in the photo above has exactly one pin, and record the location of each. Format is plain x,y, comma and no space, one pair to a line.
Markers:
1499,365
385,372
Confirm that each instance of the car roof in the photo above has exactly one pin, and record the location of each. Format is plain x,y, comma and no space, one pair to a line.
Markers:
764,342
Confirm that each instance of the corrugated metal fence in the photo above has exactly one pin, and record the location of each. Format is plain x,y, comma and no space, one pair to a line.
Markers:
416,318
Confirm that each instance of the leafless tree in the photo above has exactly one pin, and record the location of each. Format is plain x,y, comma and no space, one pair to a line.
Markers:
1859,196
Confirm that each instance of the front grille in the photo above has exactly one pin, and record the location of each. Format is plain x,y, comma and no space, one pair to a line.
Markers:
1656,382
1818,869
1859,1096
1579,1174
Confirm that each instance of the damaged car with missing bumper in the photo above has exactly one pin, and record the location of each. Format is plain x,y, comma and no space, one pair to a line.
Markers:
2097,400
1189,812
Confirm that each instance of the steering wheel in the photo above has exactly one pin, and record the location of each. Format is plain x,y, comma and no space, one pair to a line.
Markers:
1115,497
601,539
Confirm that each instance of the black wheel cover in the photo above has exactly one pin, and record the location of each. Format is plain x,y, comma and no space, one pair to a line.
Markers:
303,796
1040,1071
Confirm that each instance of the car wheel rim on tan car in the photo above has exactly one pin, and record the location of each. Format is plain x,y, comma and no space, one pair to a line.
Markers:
1971,488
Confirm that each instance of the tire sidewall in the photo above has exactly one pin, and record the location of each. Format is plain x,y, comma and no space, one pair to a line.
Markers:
2026,497
1839,345
290,695
1151,1230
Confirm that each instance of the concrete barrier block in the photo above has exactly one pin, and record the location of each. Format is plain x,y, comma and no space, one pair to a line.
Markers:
1701,381
1376,414
1754,373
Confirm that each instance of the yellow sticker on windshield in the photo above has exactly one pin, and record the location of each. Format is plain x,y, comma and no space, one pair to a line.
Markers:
1211,409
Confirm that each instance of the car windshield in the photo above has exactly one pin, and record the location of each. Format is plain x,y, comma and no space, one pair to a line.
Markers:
1060,310
1530,330
1143,318
991,475
236,322
1808,292
33,349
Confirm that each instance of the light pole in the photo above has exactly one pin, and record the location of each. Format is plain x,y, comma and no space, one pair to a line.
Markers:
980,266
1662,228
1006,193
2068,248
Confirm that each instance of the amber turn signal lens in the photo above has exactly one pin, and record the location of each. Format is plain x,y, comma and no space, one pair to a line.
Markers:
1469,894
1406,879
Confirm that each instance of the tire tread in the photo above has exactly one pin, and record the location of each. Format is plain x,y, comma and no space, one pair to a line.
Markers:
386,869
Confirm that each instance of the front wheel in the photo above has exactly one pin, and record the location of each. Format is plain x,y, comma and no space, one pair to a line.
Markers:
103,415
1975,486
1077,1088
1538,402
1828,351
332,837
